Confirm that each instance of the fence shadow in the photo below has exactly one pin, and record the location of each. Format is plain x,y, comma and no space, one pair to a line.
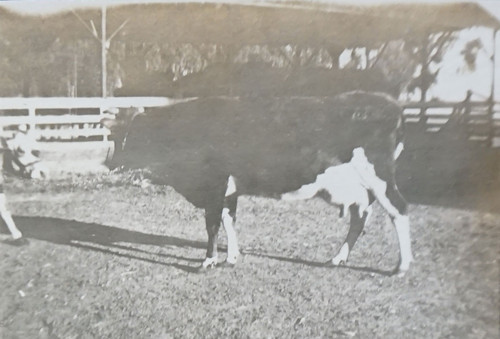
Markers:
107,239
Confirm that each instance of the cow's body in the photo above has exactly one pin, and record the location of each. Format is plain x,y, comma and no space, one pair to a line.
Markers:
213,150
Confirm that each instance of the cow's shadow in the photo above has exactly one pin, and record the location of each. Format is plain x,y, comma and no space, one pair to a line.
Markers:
120,242
326,264
107,239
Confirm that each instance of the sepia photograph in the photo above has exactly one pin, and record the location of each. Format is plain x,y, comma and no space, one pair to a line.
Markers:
249,169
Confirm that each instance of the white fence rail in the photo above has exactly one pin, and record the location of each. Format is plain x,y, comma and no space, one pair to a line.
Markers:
67,125
54,119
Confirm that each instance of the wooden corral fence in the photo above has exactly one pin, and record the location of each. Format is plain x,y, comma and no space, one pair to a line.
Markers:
78,119
477,121
66,119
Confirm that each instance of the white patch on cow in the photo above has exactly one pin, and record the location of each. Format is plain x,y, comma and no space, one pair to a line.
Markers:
399,148
402,224
342,184
231,186
341,257
232,240
7,218
209,262
369,180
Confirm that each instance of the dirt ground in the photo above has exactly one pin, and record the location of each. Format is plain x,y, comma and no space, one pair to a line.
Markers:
108,259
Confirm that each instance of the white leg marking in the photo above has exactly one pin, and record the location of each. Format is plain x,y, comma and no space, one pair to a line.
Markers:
209,262
341,257
232,240
231,186
399,148
402,224
6,216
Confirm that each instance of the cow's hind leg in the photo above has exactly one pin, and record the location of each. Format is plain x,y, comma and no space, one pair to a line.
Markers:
212,220
228,220
401,222
7,218
356,227
381,183
221,208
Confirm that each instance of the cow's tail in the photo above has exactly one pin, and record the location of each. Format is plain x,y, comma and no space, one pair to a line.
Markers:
305,192
400,132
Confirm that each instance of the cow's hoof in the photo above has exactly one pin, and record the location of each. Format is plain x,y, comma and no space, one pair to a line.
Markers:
209,263
398,272
341,258
16,235
232,259
338,262
403,267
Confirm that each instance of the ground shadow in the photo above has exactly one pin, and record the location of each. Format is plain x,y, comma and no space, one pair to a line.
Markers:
115,241
439,171
106,239
321,264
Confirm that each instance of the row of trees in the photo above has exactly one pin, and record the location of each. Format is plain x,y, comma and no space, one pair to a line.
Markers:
41,64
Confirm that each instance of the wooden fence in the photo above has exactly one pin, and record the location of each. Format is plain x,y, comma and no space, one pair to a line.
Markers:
477,121
66,119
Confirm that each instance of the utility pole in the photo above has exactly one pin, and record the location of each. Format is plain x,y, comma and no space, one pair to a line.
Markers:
104,41
103,52
491,106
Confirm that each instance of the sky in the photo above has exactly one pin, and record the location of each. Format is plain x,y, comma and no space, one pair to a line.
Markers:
453,79
53,6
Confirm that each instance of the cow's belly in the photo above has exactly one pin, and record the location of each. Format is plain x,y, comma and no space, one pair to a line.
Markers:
276,175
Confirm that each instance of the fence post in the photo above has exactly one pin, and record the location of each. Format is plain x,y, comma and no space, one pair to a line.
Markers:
423,116
104,136
32,117
491,121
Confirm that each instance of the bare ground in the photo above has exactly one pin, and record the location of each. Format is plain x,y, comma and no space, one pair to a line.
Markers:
107,259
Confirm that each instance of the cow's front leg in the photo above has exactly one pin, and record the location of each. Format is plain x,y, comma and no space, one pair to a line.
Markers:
7,218
228,220
212,220
356,227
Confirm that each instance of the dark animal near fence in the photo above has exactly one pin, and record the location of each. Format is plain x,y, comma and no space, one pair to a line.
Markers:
20,157
5,214
213,150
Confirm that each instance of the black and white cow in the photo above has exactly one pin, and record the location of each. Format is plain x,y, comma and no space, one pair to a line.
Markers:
213,150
